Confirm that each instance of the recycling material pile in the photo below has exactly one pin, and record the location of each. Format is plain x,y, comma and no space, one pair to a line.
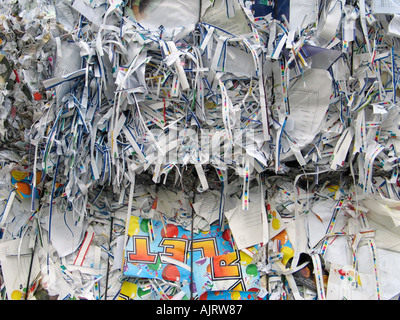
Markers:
211,150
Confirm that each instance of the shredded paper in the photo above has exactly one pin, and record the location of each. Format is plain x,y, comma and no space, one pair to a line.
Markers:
199,150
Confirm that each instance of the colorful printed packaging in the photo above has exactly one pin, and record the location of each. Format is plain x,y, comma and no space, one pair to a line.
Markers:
131,291
232,271
230,295
163,251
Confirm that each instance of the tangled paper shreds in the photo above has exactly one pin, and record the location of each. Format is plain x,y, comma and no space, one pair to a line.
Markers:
100,105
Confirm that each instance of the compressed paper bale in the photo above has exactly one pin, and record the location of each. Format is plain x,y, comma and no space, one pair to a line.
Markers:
125,122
